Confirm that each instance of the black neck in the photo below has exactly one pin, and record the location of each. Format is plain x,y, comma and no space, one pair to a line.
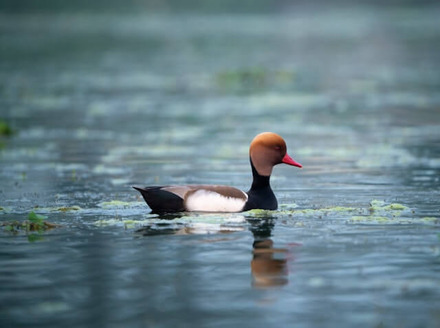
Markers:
259,181
260,195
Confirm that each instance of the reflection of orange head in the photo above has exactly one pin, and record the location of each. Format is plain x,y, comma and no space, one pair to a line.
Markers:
267,271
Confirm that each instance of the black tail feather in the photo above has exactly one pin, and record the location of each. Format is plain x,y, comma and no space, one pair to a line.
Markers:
160,200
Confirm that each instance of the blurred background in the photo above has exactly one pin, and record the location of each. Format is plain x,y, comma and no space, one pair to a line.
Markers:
96,96
107,92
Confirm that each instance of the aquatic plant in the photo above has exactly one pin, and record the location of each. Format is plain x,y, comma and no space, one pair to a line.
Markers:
5,129
34,226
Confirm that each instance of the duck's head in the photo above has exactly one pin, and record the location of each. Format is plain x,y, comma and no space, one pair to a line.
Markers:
267,150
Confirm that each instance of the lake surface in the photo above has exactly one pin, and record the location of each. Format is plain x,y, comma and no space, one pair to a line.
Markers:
101,101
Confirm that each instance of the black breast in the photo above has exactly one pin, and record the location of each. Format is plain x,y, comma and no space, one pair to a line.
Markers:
260,195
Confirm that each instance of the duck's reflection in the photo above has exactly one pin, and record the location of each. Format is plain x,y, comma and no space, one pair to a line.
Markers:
196,224
269,264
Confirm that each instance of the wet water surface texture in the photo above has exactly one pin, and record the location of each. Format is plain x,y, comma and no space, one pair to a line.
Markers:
94,100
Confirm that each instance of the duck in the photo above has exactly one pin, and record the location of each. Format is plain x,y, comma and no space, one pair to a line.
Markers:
266,150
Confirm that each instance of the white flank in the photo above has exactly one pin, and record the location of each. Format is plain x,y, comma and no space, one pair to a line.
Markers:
210,201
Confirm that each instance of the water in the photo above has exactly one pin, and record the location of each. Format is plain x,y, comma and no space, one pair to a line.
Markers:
100,101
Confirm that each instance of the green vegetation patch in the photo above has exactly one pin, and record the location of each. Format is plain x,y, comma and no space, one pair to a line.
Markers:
127,224
253,78
257,213
427,219
379,212
67,208
64,209
382,213
5,129
119,204
33,227
372,218
295,212
335,209
379,205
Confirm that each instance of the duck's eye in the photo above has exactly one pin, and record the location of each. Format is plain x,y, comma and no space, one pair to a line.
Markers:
277,148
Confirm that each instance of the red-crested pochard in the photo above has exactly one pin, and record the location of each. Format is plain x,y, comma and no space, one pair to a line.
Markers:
266,150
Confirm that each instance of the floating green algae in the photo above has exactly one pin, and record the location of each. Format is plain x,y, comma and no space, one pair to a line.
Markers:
307,211
196,223
372,218
380,205
369,219
67,208
261,213
395,207
335,209
119,204
127,224
379,212
64,209
430,219
381,208
382,213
